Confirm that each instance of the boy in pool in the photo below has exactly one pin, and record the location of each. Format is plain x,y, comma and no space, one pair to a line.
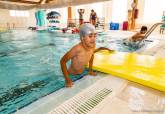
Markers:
81,54
136,39
139,36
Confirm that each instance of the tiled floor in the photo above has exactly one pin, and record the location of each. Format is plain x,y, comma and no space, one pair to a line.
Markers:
133,99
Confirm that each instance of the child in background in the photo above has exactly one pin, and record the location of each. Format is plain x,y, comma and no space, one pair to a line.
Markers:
139,36
136,39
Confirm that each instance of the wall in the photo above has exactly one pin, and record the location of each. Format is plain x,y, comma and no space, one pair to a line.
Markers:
18,22
103,9
141,12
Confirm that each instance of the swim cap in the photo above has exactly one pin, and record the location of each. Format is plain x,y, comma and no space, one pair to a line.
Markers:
86,29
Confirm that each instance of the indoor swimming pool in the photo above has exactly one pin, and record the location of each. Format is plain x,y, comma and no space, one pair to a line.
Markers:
30,64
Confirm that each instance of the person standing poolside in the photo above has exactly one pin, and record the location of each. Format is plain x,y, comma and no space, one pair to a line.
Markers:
81,12
93,17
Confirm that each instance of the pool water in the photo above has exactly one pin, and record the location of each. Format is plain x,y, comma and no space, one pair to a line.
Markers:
105,39
30,64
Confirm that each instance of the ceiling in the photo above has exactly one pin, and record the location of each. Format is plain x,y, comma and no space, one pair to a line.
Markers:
30,4
21,1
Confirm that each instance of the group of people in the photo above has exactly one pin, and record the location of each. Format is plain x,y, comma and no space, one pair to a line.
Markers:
82,54
93,17
92,20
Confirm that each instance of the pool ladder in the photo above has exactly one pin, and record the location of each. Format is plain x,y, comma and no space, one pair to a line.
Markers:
152,29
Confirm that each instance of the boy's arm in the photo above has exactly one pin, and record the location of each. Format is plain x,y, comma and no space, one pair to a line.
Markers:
90,66
137,36
91,60
69,55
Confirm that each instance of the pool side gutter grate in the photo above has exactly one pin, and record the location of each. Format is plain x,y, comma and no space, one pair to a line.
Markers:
83,102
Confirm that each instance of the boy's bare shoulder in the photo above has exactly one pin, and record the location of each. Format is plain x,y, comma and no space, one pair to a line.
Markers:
77,45
77,48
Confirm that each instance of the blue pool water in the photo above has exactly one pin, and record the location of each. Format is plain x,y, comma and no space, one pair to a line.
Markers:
29,64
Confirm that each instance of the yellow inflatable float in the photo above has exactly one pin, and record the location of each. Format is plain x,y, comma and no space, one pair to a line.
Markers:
144,69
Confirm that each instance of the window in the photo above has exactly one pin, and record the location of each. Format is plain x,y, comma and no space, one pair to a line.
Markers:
26,14
12,12
18,13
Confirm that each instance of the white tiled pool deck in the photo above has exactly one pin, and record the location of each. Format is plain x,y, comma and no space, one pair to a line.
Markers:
133,99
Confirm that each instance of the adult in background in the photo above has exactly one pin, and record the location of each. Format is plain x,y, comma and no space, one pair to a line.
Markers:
93,17
81,12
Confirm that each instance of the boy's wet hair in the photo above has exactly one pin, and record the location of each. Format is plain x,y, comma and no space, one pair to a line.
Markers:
143,28
86,29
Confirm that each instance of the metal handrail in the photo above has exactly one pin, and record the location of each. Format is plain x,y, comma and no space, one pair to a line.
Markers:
152,29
